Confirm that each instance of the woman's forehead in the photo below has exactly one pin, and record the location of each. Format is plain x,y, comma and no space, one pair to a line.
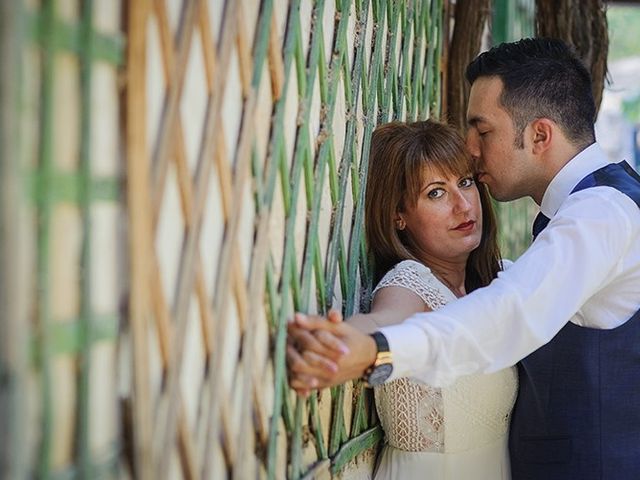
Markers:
445,172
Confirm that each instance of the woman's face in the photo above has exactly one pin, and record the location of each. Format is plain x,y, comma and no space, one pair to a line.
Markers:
446,222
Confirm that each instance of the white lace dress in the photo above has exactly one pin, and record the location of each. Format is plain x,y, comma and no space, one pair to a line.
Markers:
458,432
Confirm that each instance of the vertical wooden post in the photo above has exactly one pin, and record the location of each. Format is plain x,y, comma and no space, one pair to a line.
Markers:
470,18
582,25
138,198
13,319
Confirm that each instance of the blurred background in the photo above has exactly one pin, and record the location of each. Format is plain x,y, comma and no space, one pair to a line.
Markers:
618,125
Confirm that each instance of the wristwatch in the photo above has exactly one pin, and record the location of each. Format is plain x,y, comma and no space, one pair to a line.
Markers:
381,369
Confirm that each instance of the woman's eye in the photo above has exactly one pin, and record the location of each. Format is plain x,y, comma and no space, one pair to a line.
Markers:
436,193
482,134
466,182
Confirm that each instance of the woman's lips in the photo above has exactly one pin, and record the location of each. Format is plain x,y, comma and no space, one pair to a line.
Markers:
466,226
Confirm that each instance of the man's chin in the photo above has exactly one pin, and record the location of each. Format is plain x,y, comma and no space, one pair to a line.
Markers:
497,194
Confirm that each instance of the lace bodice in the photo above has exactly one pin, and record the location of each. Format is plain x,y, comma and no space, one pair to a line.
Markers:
416,417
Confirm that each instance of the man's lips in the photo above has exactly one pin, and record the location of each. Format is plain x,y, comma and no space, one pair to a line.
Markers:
465,226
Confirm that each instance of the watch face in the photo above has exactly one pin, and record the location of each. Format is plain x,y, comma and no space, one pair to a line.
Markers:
380,374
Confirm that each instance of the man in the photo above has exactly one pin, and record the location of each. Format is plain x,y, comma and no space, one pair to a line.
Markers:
568,310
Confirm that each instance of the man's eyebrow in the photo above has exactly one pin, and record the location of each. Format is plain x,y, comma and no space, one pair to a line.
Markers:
473,121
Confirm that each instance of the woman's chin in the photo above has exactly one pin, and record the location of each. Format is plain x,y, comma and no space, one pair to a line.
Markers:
471,246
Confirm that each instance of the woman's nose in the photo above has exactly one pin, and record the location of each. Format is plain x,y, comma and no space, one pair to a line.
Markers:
462,203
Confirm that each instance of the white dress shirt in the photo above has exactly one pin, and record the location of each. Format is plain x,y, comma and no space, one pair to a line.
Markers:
584,268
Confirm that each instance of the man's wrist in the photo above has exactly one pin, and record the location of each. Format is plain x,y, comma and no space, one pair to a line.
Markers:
382,366
372,353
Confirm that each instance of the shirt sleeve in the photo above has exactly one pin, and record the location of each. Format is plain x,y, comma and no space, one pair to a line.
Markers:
496,326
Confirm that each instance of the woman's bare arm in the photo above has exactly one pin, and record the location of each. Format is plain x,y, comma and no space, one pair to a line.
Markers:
391,305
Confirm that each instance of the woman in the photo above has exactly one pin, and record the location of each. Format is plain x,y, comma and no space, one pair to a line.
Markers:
431,234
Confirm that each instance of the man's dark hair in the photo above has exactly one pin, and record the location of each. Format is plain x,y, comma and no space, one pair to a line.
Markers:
542,78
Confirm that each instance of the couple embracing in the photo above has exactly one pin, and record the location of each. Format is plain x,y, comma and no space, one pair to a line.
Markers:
483,369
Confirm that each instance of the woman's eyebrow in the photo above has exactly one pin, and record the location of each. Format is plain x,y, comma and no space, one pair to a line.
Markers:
437,182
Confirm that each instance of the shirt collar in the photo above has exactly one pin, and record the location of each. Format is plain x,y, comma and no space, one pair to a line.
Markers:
588,160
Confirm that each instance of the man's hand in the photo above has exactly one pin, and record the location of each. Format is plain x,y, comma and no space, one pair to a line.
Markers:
326,352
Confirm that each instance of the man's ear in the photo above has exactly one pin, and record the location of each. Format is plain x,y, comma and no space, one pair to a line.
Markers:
542,133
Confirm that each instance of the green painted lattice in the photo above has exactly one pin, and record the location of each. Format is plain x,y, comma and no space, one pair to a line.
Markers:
47,186
397,76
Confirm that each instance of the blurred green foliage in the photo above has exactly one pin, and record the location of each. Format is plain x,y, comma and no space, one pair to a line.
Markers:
631,109
624,32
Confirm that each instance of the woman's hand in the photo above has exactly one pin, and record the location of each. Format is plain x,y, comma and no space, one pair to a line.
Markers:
312,356
324,352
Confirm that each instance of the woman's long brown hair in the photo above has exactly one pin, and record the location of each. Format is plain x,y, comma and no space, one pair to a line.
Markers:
399,154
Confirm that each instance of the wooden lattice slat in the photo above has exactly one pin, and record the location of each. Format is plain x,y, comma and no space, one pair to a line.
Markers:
139,206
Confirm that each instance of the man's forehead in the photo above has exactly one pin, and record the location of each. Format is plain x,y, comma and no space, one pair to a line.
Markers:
493,82
478,114
484,100
485,89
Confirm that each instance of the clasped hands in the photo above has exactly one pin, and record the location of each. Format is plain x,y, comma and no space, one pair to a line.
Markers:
323,352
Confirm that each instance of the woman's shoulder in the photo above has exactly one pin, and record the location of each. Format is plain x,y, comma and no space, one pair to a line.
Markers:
408,265
416,277
405,269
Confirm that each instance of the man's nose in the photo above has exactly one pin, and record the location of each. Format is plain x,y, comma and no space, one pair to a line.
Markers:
473,144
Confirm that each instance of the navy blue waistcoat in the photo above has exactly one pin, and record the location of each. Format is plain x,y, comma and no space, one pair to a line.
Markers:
577,415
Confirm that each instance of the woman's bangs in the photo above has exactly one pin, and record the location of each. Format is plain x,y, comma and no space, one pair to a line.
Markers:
453,165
